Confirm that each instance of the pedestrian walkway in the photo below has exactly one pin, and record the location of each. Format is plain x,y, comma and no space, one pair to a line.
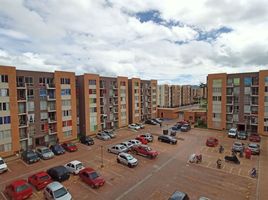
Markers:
262,192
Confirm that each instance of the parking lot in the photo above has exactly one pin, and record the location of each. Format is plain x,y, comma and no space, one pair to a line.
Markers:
153,179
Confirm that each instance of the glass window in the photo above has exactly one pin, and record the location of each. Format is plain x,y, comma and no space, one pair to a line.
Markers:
92,82
266,98
43,105
236,81
247,81
266,79
43,92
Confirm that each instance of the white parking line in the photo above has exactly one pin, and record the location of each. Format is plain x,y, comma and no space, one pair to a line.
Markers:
108,182
88,188
115,173
231,170
8,169
3,196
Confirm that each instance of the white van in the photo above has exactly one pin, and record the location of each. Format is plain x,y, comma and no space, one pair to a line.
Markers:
232,132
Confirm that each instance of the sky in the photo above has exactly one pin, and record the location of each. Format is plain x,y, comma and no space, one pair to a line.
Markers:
172,41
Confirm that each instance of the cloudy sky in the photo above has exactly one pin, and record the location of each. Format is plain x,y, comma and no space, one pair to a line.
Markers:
173,41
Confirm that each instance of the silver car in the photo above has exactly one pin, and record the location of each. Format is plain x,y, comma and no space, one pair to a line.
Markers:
129,145
255,148
117,149
110,133
3,166
56,191
127,159
135,142
238,146
44,153
103,136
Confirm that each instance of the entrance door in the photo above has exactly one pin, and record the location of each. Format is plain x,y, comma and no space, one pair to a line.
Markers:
241,127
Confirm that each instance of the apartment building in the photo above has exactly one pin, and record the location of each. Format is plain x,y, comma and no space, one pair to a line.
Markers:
163,96
186,98
175,96
134,100
103,103
148,95
238,100
43,107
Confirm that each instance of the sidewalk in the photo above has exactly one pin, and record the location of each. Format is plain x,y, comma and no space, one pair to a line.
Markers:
262,184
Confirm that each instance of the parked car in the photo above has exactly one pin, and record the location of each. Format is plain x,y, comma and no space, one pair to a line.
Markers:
117,149
232,132
148,136
56,191
103,136
110,133
29,156
141,125
129,145
3,166
144,150
185,127
135,142
44,153
57,149
142,140
85,139
238,146
179,196
69,146
254,138
134,126
127,159
74,167
151,122
91,177
18,190
242,135
59,173
212,142
255,148
39,180
156,121
175,128
167,139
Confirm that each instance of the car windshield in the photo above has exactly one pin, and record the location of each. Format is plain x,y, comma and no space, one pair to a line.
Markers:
79,166
57,147
31,154
70,145
129,157
242,133
45,151
211,140
93,175
122,147
253,145
60,192
148,149
1,162
237,144
231,131
43,178
21,188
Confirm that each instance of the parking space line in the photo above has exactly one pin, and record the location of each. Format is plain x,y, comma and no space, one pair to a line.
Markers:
8,169
105,159
25,164
208,163
35,195
115,173
108,182
231,170
88,188
3,195
239,172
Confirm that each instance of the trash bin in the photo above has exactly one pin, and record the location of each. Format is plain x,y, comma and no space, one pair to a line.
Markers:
165,132
248,153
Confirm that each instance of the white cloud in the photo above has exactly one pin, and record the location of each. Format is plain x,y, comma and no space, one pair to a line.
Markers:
100,37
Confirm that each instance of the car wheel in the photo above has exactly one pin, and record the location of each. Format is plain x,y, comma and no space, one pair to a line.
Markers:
129,165
159,140
118,161
109,150
170,142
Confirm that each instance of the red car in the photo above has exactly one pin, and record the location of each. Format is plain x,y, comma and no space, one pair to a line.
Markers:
40,180
19,190
144,150
68,146
254,138
212,142
142,140
91,177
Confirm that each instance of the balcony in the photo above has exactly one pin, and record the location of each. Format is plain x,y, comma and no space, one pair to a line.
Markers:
52,131
51,108
230,85
51,97
23,136
52,120
21,98
21,85
23,124
50,86
229,94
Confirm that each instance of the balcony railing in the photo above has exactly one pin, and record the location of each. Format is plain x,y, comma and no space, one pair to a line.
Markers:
52,120
21,84
51,97
50,86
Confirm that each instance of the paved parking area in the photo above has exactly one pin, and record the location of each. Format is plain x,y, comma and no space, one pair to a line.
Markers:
153,179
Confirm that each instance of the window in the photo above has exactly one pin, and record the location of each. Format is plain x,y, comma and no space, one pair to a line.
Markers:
92,110
4,106
42,92
66,102
122,83
93,123
6,134
266,79
92,91
29,80
5,147
43,105
67,133
236,81
216,98
66,123
217,115
30,94
65,81
65,92
236,90
30,106
4,79
266,88
229,81
92,82
266,109
92,100
66,113
4,92
43,116
247,81
5,120
266,99
216,89
217,82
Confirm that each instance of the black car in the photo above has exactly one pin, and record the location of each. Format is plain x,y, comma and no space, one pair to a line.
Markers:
57,149
85,139
179,196
242,135
185,127
167,138
29,156
151,122
59,173
156,121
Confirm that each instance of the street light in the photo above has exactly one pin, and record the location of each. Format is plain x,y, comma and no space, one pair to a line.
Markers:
102,165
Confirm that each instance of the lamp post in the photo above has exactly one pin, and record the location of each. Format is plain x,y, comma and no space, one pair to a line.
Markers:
102,165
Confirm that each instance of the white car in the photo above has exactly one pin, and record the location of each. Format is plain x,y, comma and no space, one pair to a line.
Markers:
103,136
134,126
129,145
3,166
147,136
117,149
233,132
74,166
135,142
127,159
56,191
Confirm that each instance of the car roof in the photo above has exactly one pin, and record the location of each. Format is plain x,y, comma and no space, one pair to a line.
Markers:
119,145
177,195
124,154
134,140
75,162
143,145
54,186
238,143
253,144
57,168
18,183
88,170
40,174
